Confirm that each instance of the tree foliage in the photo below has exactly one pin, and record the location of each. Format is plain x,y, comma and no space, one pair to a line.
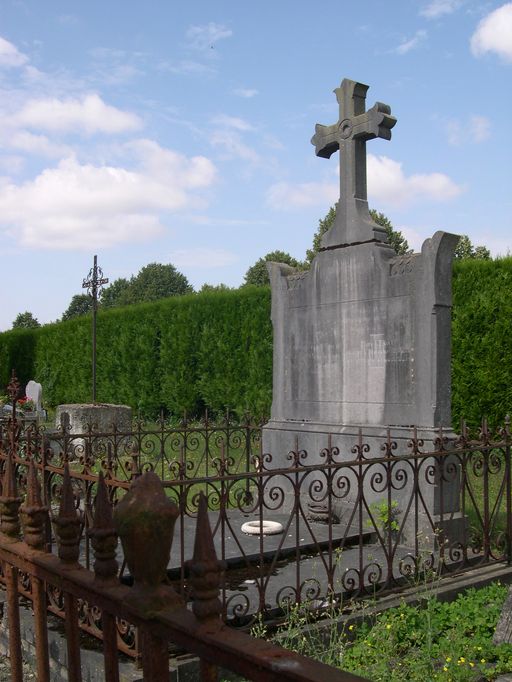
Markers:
81,304
112,295
25,321
214,287
465,249
257,274
152,282
395,238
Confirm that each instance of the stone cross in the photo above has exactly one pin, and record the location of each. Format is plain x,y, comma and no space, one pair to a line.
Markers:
93,283
353,223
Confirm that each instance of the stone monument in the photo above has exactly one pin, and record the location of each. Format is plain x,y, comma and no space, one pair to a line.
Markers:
362,339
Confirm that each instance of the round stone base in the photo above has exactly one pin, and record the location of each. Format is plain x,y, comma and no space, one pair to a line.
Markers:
101,417
263,528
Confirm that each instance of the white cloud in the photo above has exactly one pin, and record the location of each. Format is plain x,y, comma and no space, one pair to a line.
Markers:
10,56
185,67
494,33
89,114
37,144
71,205
247,93
438,8
11,165
480,128
475,129
387,184
390,186
173,168
205,37
233,147
287,196
202,258
408,45
225,121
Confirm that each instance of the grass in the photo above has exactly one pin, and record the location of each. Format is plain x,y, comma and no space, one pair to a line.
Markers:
433,640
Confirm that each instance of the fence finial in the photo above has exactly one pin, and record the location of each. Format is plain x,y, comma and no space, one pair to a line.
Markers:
144,520
103,536
10,502
67,523
205,571
33,513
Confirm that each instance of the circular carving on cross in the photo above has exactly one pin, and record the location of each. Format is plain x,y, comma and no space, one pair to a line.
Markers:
345,128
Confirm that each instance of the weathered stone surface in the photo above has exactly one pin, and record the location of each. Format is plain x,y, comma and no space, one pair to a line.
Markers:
101,416
503,632
355,126
362,339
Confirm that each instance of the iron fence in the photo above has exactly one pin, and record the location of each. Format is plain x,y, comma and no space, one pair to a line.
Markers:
144,524
354,523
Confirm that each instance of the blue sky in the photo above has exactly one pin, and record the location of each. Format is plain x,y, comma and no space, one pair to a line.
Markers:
180,132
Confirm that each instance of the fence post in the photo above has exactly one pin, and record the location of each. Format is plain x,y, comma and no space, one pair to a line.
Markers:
34,517
205,574
104,542
144,520
10,528
67,524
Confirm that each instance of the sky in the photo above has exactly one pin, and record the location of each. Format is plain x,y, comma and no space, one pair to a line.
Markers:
177,132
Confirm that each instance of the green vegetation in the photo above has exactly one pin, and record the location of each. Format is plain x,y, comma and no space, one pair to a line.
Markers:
434,640
465,249
481,340
180,353
25,321
257,274
214,349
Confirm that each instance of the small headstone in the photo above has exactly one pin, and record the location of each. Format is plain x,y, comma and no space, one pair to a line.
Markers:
34,392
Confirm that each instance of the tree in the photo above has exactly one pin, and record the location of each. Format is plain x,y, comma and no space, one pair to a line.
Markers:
81,304
395,238
114,294
25,321
257,274
156,281
214,287
465,249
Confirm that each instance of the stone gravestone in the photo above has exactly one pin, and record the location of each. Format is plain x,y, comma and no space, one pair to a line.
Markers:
362,339
34,392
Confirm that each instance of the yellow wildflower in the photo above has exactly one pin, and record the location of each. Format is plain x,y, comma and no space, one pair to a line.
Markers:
388,626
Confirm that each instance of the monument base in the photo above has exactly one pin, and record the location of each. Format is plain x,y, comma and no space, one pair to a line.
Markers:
422,493
78,418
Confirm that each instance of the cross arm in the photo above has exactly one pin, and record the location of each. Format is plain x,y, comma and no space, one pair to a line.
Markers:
325,140
378,122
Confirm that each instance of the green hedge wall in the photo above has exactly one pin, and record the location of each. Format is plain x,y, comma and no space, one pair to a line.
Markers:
215,350
482,340
182,353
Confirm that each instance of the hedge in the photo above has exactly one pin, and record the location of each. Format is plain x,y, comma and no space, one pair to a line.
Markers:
181,353
215,350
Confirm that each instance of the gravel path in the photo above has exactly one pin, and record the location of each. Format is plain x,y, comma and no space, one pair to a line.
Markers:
5,670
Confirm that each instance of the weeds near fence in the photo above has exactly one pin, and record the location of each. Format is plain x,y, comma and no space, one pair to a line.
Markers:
432,640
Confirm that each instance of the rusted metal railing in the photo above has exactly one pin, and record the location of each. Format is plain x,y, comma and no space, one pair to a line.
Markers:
364,521
144,520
